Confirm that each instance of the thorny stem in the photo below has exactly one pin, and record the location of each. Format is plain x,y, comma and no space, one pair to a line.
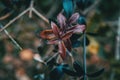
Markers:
84,56
12,39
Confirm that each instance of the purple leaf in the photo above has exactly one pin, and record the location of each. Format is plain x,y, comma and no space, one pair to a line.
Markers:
55,29
77,28
62,49
73,18
62,20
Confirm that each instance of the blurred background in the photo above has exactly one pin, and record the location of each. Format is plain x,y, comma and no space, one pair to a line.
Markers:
103,18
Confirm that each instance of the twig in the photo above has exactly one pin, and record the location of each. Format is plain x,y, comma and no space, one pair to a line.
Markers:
40,15
112,75
12,39
31,6
84,56
69,53
6,15
56,54
112,25
13,20
91,7
53,9
37,57
117,51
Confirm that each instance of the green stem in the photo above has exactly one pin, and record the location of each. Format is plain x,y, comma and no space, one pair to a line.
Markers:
84,56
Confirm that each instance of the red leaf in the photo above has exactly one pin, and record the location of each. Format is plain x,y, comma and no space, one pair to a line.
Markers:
67,35
55,29
47,34
52,42
74,18
62,49
68,44
61,19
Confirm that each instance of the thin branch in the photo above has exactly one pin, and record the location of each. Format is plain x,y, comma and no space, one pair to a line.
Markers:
56,54
31,7
13,20
112,75
70,54
117,51
12,39
84,56
91,7
53,9
40,15
6,15
111,24
37,57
